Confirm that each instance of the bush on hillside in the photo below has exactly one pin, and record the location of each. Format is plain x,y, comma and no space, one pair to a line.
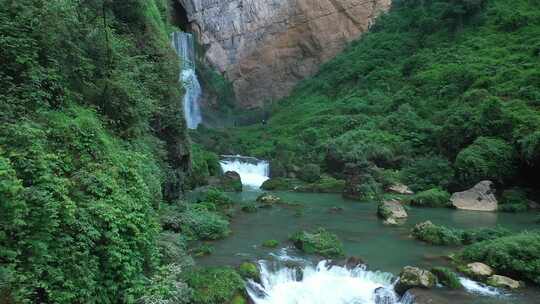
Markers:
310,173
514,200
486,159
201,224
214,285
428,172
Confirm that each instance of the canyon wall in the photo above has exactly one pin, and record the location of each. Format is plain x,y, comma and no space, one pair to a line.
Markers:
264,47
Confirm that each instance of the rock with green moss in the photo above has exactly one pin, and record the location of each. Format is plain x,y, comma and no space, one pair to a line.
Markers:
249,270
411,277
320,242
215,285
447,277
280,184
436,235
503,282
230,182
391,209
270,243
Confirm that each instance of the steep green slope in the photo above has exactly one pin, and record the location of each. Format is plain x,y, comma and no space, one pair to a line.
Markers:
92,141
440,93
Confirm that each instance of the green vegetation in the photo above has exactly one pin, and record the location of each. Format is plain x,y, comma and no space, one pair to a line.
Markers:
431,198
516,255
442,235
320,242
214,285
442,92
249,271
514,200
447,277
92,143
270,243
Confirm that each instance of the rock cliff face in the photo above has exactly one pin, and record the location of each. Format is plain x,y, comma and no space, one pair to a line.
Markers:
266,46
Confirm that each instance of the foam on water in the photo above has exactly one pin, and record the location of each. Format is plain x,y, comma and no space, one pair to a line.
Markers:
479,288
322,284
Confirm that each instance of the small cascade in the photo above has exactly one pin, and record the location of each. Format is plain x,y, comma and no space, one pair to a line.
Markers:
322,284
479,288
184,45
253,172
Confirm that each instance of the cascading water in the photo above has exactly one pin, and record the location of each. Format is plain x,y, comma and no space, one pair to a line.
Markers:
184,45
323,284
253,172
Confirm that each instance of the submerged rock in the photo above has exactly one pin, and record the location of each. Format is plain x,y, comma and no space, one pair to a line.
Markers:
479,198
425,296
411,277
503,282
392,209
479,270
400,189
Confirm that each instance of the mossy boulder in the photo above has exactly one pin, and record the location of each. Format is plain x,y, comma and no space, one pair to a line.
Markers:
249,270
412,277
215,285
268,199
447,277
479,271
320,242
436,235
249,208
503,282
270,243
280,184
230,182
391,209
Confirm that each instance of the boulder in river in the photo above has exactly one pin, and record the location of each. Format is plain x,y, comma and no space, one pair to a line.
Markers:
231,182
479,270
479,198
268,199
503,282
411,277
392,209
400,189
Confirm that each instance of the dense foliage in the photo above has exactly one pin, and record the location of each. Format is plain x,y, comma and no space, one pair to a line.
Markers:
443,92
319,242
215,285
92,141
442,235
516,255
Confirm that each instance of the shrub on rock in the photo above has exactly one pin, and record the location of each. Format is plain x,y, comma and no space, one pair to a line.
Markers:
447,277
435,197
320,242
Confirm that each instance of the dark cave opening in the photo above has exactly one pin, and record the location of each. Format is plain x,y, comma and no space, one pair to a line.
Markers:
179,15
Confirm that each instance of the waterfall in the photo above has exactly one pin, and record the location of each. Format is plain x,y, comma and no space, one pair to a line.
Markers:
253,172
322,284
184,45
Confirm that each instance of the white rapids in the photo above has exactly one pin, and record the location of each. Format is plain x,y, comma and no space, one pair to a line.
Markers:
479,288
322,284
253,172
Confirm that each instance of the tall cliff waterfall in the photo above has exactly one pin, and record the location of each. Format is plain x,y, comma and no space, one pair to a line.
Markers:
184,44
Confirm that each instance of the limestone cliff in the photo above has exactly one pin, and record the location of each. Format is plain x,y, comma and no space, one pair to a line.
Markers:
266,46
